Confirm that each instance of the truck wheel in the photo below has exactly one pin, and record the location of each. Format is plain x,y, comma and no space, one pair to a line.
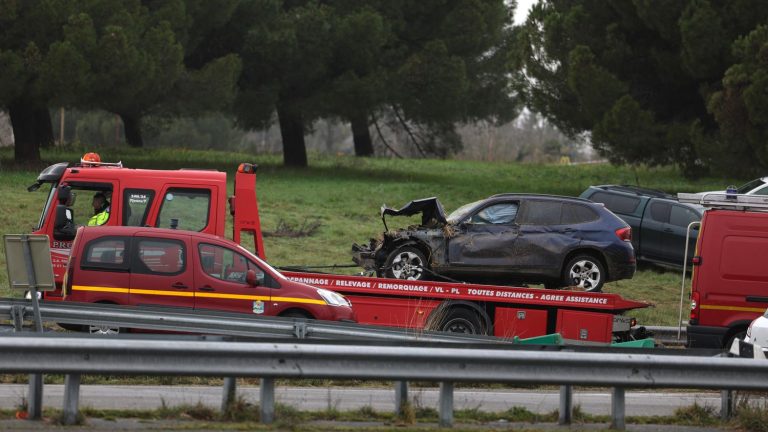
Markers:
460,320
585,272
406,262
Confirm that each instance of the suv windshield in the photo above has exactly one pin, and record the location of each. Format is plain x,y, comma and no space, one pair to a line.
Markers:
460,213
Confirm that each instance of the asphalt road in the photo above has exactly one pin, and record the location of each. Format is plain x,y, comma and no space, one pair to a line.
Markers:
638,403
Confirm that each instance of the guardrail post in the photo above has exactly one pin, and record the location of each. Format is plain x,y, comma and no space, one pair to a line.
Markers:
71,399
401,396
35,399
17,316
446,404
229,393
617,409
726,404
566,405
267,400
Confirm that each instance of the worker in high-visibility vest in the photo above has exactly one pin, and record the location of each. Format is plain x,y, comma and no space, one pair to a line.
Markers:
100,210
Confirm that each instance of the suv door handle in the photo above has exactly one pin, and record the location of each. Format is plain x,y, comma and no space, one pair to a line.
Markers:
668,230
179,285
206,288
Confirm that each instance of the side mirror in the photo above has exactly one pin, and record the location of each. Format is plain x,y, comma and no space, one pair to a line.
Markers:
63,226
65,194
253,279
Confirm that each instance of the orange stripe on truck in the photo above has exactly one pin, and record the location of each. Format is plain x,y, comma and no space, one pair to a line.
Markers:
732,308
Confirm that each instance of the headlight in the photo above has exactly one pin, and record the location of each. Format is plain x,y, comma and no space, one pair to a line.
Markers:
333,298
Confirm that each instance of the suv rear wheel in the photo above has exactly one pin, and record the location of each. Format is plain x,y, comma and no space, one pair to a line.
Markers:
585,272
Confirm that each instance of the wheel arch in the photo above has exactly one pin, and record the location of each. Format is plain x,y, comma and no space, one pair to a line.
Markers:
734,328
391,245
446,306
293,311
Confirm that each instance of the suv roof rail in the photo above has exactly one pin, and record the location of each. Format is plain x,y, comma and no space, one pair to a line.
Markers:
639,191
720,200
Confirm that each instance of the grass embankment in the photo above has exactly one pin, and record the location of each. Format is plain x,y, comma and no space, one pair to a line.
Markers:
344,194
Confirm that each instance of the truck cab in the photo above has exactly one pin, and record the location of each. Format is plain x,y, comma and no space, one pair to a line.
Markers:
188,199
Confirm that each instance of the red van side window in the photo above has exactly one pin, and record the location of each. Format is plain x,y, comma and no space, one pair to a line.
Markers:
160,256
105,252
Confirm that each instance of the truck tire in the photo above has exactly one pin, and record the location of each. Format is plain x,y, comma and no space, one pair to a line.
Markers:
406,262
460,320
585,272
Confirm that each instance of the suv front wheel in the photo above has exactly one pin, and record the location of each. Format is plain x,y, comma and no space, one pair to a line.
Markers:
406,262
585,272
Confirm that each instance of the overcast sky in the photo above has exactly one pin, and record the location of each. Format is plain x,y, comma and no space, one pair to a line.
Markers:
522,10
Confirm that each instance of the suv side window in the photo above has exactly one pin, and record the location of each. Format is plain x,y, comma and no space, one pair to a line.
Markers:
136,206
107,253
159,256
617,203
577,214
227,265
682,216
541,213
187,208
660,211
497,214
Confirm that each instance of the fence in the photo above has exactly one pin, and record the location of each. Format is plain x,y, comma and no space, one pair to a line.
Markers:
447,365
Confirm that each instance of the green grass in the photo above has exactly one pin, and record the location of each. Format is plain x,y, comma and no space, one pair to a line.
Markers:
344,194
245,416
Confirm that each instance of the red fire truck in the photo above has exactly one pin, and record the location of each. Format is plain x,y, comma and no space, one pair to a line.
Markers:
196,200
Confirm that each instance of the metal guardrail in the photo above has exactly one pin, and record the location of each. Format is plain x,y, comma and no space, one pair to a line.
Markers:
57,353
223,323
121,355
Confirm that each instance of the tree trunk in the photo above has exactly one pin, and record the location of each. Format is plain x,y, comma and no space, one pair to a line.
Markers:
132,126
361,135
27,146
43,127
292,131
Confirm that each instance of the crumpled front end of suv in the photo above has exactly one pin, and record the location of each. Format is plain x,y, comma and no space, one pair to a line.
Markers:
427,236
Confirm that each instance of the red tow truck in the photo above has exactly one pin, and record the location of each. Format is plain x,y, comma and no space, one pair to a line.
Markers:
196,200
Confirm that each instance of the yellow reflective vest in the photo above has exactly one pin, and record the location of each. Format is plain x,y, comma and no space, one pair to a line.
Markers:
99,219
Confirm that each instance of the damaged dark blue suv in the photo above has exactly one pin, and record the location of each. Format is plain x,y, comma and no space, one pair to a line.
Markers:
506,239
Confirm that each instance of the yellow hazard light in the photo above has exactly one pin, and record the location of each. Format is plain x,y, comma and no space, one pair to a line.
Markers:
246,168
91,157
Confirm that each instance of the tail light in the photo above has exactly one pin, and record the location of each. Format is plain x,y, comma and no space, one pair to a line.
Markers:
695,308
624,234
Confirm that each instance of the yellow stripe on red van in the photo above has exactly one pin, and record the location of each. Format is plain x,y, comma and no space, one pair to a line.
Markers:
732,308
196,294
99,289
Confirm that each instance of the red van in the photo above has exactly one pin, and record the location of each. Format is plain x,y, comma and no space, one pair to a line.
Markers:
730,274
166,267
